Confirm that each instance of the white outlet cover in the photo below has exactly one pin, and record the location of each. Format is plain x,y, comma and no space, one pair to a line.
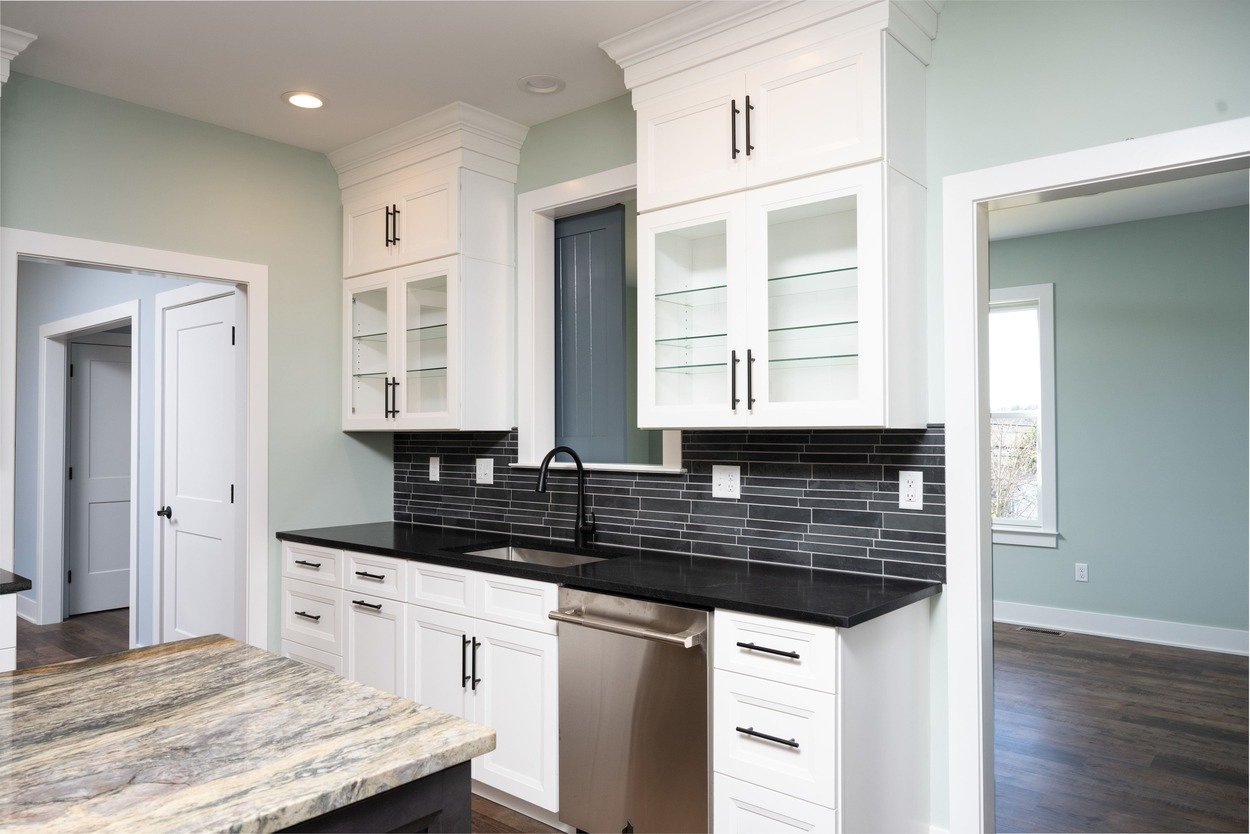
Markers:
911,490
726,482
433,467
1082,572
485,470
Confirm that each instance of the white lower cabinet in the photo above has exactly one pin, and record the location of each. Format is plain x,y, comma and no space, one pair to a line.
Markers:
313,657
743,808
438,650
375,641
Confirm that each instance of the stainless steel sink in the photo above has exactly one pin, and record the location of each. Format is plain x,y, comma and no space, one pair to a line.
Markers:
534,556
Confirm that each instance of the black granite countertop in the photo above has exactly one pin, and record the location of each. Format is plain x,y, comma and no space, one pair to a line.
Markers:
797,593
11,583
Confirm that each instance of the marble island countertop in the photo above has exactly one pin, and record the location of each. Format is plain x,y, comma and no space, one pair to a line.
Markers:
207,735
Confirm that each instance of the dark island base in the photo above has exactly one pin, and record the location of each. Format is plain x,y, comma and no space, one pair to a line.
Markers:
438,803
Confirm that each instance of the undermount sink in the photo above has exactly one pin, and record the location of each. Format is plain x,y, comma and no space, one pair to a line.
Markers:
534,556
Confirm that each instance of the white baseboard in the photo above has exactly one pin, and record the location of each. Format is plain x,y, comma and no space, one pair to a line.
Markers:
28,608
1164,632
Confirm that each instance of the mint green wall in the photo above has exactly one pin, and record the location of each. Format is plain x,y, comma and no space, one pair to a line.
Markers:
78,164
1151,402
588,141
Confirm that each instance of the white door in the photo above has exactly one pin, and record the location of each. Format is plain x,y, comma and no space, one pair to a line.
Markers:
375,640
99,478
815,109
517,694
428,396
202,558
439,653
691,144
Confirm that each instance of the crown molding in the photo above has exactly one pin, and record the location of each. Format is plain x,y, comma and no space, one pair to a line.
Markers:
12,42
457,124
685,26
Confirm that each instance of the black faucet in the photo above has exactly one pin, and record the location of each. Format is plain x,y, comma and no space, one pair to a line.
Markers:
584,526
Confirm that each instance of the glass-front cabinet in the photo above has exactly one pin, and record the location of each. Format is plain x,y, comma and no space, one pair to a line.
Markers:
367,398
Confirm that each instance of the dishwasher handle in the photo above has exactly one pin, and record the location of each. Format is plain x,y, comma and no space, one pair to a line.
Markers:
691,637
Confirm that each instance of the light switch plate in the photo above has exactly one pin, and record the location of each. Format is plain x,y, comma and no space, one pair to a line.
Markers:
910,490
485,470
433,468
726,482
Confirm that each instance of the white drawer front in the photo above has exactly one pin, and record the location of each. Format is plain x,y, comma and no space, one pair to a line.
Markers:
381,576
785,651
312,564
742,808
444,589
312,615
807,718
313,657
519,602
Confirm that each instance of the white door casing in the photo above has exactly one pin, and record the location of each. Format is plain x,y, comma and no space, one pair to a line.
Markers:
98,489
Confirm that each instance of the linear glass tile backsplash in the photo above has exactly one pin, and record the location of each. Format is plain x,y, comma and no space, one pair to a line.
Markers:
825,499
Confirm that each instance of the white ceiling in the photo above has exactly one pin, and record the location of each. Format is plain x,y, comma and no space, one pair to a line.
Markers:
377,64
1164,199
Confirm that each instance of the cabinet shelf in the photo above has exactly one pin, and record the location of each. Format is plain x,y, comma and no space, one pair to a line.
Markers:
427,372
427,331
370,337
694,368
714,294
370,375
815,361
813,282
802,328
704,340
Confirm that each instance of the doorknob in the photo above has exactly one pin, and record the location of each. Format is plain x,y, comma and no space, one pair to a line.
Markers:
168,512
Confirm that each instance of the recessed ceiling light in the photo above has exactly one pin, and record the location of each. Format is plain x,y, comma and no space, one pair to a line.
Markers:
299,98
541,85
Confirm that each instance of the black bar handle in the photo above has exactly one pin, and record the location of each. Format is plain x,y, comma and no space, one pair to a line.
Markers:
314,617
733,380
750,147
313,565
464,661
368,575
394,224
388,226
733,127
168,512
476,679
392,405
755,648
366,604
750,381
750,731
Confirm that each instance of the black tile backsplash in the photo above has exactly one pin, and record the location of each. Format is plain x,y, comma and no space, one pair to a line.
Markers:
826,499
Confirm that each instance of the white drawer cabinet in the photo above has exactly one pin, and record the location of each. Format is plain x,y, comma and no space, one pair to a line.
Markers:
740,807
375,641
785,651
509,600
313,657
381,576
312,615
446,589
311,563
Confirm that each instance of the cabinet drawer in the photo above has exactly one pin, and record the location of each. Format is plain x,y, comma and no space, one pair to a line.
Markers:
445,589
800,758
519,602
312,615
380,576
312,564
313,657
777,650
744,808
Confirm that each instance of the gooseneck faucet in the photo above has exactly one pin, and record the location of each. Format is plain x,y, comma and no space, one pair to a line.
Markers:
584,525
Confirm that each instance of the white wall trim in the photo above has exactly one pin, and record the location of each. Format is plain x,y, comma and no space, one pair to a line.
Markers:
253,279
537,212
966,199
28,608
12,42
54,339
1162,632
1025,536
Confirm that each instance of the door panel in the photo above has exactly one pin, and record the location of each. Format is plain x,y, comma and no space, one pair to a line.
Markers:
365,224
428,211
439,647
374,641
429,339
368,307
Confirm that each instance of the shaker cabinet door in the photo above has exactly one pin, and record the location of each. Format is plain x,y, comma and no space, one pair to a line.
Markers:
439,648
374,643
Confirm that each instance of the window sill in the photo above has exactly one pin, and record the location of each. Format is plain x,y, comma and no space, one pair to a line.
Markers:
645,468
1026,536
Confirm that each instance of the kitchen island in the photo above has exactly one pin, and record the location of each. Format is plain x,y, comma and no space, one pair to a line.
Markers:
213,735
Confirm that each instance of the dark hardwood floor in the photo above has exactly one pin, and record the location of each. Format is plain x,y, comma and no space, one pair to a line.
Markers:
1095,734
492,818
85,635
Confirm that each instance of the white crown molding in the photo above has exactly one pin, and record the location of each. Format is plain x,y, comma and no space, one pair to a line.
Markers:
12,42
685,26
463,124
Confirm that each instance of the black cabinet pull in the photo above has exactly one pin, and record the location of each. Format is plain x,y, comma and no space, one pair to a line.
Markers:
366,604
733,128
394,397
750,731
394,224
368,575
386,397
733,380
475,678
168,512
314,617
313,565
388,227
750,147
755,648
464,661
750,382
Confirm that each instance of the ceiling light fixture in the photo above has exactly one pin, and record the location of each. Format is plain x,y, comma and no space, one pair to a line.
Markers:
541,85
306,100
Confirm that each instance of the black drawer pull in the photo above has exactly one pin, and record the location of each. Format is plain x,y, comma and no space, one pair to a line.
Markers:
368,575
313,565
755,648
314,617
750,731
366,604
464,674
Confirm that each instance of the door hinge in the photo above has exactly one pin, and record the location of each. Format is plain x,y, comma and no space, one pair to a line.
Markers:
69,577
71,370
232,334
232,493
71,473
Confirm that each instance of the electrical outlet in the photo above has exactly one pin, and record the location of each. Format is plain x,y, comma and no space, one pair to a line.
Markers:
1082,572
911,490
433,468
726,482
485,470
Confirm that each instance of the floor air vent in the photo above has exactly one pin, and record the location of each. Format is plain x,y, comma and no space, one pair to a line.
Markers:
1036,630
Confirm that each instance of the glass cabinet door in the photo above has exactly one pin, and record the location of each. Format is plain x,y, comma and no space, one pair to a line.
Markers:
427,304
369,351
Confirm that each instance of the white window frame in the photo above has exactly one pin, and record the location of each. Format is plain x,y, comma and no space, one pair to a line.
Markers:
1045,533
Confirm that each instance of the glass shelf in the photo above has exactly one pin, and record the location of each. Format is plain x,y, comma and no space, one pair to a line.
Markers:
438,371
805,282
798,328
428,331
371,375
694,368
370,337
714,294
815,361
702,341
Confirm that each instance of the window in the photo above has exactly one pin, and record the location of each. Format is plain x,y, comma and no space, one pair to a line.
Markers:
1022,415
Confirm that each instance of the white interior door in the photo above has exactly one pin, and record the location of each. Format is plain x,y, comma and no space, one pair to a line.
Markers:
201,560
98,494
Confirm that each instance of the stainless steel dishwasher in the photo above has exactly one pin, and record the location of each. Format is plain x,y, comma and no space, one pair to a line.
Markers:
633,715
